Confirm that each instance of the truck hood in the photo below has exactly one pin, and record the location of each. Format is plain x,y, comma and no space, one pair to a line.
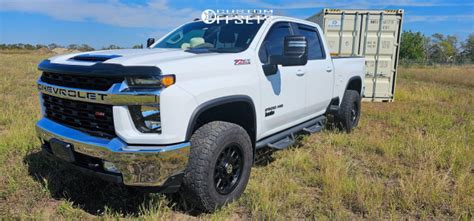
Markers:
127,57
141,62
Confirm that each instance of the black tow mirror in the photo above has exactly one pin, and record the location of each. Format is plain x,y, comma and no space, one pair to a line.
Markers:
295,52
150,42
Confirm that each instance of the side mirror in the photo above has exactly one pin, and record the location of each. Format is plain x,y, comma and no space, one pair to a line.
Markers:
150,42
295,52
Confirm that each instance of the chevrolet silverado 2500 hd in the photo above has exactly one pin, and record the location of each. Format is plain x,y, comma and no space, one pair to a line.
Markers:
188,112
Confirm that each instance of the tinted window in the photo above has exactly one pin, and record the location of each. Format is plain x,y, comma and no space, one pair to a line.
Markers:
273,43
315,49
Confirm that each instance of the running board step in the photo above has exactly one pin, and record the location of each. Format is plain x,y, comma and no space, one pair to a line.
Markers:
333,109
286,138
314,128
283,143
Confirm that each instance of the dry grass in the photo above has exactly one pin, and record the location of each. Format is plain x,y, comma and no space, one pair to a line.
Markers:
455,75
409,159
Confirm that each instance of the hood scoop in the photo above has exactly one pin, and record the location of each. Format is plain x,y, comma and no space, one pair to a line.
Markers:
94,57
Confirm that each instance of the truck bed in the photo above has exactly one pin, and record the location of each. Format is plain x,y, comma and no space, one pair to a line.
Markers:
344,69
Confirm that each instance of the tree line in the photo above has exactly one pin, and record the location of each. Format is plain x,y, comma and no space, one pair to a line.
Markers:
416,48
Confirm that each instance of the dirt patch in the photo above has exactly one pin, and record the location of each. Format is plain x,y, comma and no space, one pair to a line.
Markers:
43,51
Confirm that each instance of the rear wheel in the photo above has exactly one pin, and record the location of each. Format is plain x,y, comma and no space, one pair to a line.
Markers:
219,165
348,115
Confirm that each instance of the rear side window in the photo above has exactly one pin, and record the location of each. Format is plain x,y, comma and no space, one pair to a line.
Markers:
315,48
273,43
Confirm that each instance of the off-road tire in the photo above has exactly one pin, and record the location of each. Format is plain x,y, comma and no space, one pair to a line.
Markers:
345,119
207,143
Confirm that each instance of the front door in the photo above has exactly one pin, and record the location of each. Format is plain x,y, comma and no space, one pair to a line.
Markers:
283,94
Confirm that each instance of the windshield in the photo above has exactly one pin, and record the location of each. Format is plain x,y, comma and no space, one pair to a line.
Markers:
216,37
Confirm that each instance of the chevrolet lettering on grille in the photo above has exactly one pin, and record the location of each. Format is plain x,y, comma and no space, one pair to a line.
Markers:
62,92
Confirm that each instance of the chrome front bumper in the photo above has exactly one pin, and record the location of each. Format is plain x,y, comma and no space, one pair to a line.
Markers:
138,165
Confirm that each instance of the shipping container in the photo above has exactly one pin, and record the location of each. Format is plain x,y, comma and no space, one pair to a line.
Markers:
374,34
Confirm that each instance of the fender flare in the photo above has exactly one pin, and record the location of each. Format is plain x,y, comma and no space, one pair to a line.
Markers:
355,78
216,102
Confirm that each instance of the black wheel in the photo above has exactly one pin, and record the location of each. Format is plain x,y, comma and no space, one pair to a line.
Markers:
219,165
228,169
348,115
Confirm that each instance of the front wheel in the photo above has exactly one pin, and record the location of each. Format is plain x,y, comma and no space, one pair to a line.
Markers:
219,165
348,115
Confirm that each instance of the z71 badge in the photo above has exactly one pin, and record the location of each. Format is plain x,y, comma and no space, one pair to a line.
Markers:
241,61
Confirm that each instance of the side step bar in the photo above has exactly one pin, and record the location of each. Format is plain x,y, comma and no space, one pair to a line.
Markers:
333,109
283,143
315,128
286,138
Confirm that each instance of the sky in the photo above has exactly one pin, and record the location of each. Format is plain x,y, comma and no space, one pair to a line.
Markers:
99,23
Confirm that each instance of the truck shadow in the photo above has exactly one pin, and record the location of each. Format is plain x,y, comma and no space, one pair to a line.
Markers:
95,196
87,193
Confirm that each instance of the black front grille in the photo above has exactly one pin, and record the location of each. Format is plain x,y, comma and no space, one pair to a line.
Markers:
93,119
80,82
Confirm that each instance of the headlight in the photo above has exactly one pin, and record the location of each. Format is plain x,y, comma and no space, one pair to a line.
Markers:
151,82
146,118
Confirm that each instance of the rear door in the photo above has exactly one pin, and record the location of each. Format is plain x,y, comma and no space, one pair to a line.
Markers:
318,71
283,93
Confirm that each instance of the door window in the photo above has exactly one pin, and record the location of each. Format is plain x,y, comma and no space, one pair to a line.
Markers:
315,49
273,43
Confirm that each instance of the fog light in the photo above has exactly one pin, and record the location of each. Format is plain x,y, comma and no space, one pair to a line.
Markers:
110,167
146,118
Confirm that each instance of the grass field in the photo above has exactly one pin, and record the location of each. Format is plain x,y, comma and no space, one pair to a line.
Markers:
413,158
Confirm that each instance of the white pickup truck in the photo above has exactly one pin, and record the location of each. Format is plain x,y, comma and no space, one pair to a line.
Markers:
188,112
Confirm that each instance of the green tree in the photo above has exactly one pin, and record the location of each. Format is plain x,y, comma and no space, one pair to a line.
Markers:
72,47
38,46
29,47
53,46
111,47
85,47
137,46
413,46
443,49
468,49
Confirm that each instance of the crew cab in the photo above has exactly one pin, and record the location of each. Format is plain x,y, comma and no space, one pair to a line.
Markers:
188,112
